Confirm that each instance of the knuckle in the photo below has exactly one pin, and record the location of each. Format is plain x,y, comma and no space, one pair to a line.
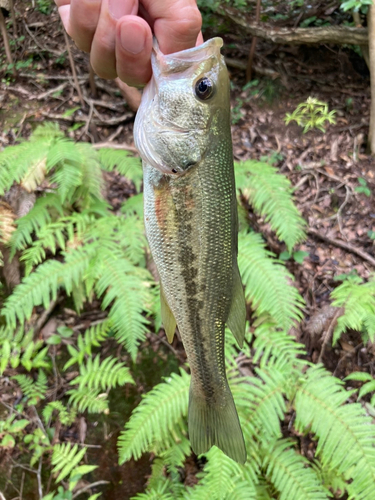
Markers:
190,23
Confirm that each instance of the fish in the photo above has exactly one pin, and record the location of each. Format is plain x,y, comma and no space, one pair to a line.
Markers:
183,134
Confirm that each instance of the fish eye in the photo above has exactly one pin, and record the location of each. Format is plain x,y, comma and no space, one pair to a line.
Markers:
204,88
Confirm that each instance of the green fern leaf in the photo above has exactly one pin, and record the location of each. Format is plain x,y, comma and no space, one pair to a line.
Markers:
127,165
358,300
154,418
345,434
270,193
65,457
222,478
91,338
125,286
289,473
91,401
279,299
66,416
272,344
39,216
34,390
104,374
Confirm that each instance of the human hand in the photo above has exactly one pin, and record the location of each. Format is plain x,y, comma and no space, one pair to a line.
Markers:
118,33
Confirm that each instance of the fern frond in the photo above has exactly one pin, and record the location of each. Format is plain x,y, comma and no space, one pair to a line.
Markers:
270,193
127,288
158,413
91,338
271,343
41,286
104,374
56,235
358,300
38,217
345,434
288,472
127,165
66,416
263,398
34,390
67,179
35,175
16,162
92,177
258,267
222,478
91,401
65,457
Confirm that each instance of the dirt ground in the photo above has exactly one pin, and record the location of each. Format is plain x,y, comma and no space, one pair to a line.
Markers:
324,168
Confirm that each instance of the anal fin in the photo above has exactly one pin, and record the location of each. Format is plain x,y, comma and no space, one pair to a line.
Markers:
237,315
167,316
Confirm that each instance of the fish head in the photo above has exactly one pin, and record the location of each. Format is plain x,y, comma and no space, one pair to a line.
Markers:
182,107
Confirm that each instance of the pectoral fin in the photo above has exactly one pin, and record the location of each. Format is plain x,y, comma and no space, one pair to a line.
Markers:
167,317
237,315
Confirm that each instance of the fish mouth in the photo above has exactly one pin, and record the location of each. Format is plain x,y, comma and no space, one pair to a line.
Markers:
178,61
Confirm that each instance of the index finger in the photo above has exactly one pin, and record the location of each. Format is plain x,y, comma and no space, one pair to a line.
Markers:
176,23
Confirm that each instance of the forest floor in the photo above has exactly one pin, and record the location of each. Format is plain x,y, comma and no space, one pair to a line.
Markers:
324,169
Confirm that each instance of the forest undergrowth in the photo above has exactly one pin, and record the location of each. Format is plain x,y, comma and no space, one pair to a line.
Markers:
93,400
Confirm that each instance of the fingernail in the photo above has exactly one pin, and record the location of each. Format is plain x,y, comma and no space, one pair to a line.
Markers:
133,38
118,8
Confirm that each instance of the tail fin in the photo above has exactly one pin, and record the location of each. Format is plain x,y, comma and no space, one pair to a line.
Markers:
215,425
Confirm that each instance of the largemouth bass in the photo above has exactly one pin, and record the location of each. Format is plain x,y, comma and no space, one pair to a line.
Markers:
182,131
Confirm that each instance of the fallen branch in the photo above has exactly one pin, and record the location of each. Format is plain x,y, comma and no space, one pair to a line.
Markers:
235,63
346,246
110,122
325,34
113,145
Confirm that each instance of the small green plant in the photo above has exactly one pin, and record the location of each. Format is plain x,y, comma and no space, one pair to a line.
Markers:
355,5
363,187
311,114
298,256
44,6
358,302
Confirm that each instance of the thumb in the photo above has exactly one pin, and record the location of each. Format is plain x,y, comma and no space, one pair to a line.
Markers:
176,23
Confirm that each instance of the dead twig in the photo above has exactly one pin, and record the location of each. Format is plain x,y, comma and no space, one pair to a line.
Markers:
260,70
49,92
88,487
92,82
112,145
110,122
346,246
41,47
39,477
73,68
88,122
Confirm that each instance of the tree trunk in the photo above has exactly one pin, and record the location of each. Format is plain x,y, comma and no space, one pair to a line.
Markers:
371,45
8,52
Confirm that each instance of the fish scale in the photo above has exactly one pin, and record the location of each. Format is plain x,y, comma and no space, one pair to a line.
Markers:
191,225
